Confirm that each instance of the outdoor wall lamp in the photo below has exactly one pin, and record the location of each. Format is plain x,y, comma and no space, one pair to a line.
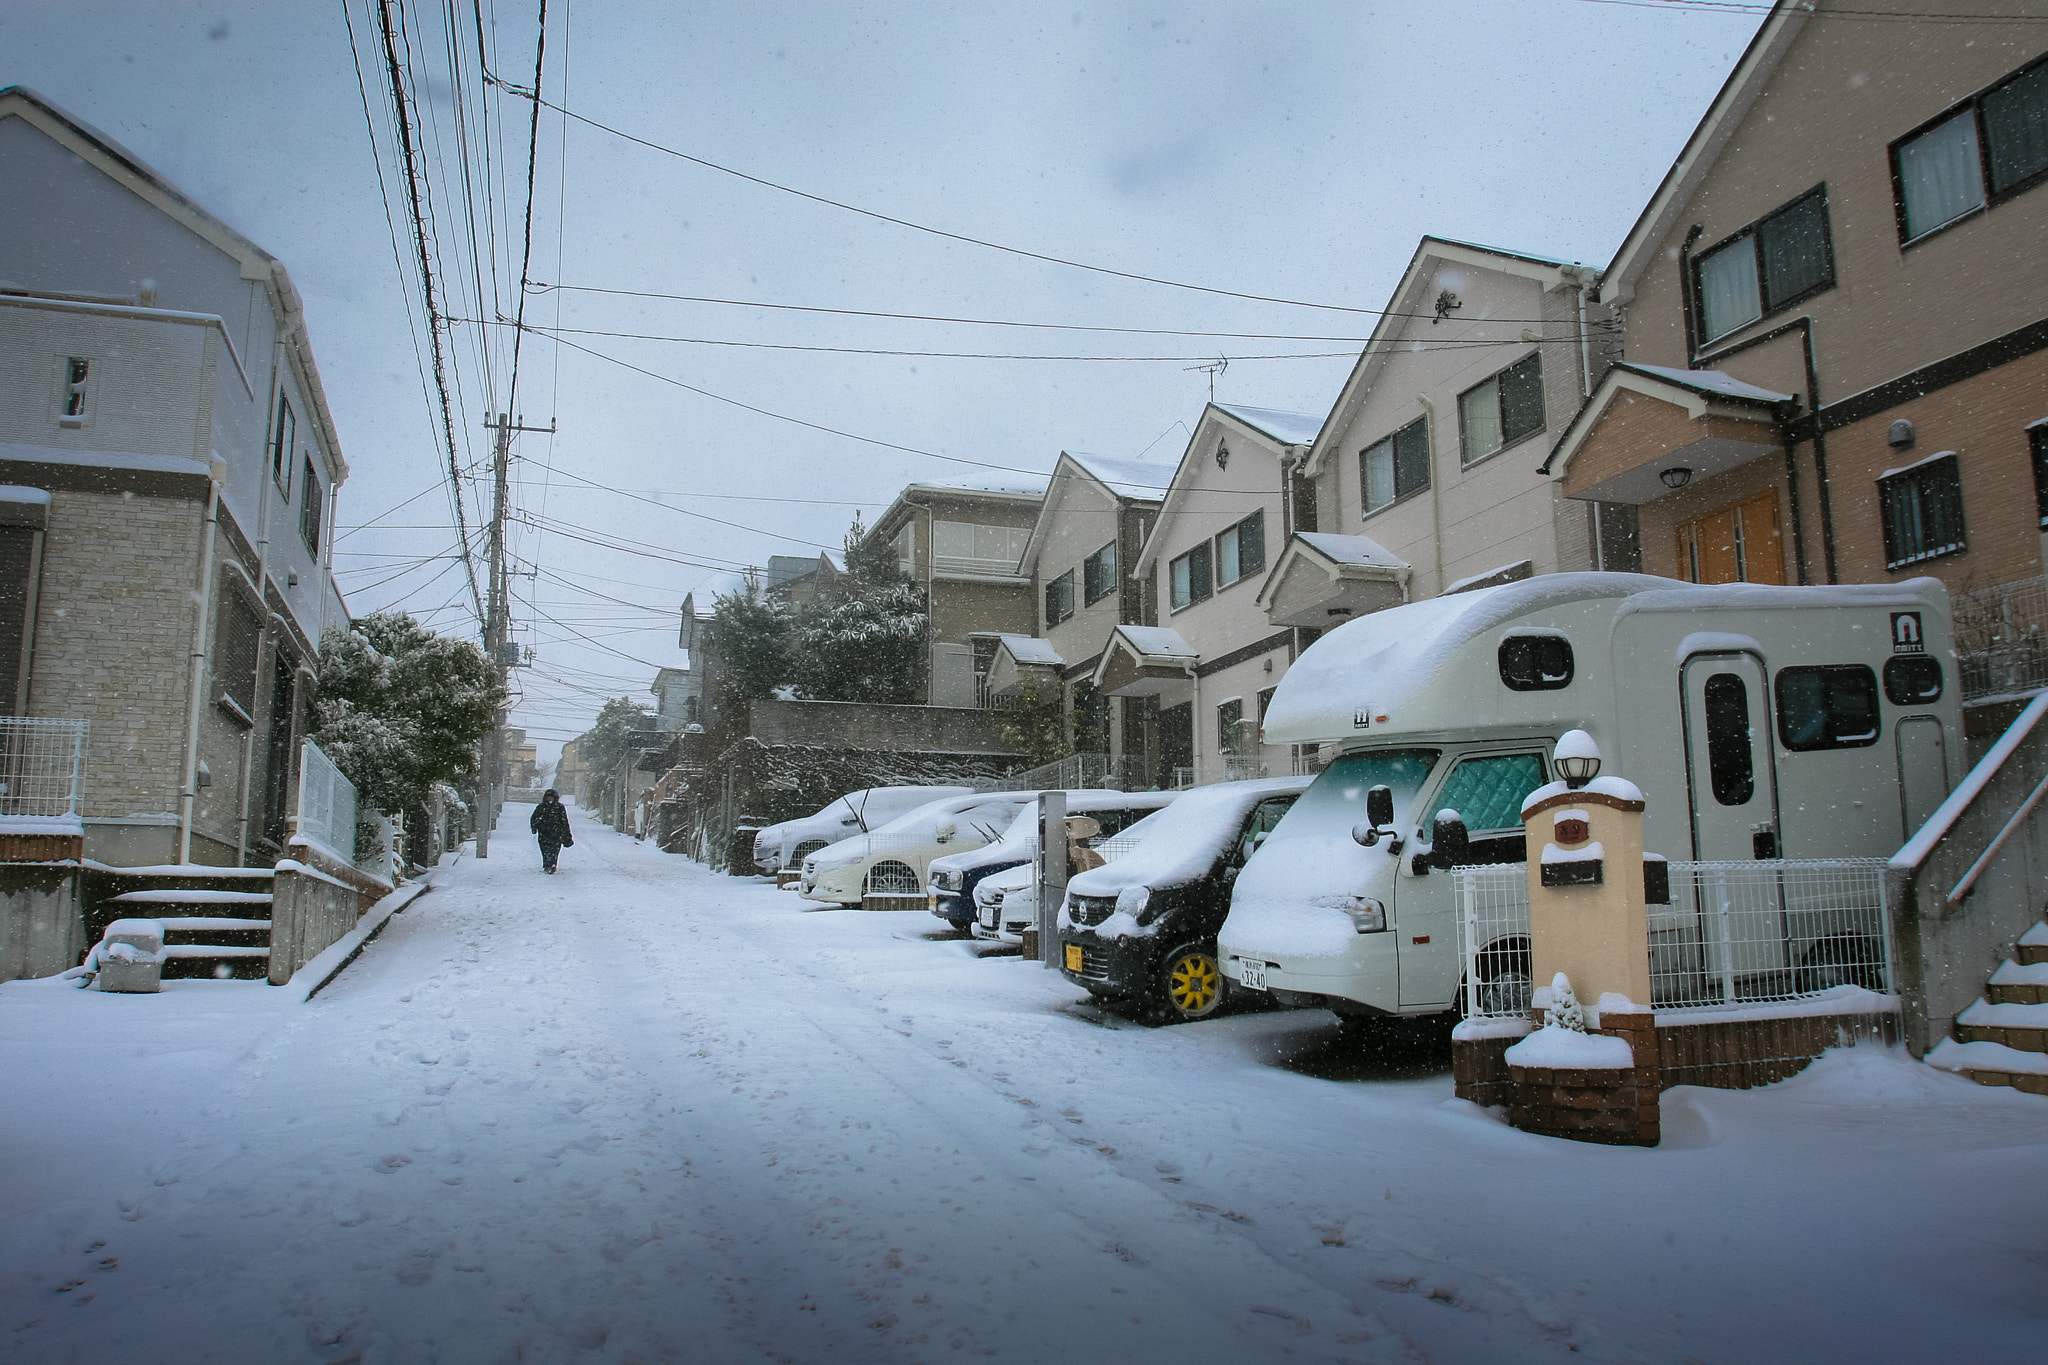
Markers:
1678,476
1577,758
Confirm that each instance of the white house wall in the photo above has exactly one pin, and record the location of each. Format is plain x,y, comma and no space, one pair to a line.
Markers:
1498,510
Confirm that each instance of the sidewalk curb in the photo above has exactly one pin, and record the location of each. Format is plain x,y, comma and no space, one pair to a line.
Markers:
315,975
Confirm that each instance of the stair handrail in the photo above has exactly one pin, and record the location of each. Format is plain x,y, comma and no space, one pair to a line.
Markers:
1907,861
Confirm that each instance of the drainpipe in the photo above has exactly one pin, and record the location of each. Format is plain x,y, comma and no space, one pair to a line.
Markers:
1195,722
1436,505
201,634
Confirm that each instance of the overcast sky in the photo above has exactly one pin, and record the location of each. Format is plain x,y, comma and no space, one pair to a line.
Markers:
1290,150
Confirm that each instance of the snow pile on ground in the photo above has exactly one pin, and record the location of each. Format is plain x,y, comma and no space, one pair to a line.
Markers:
641,1112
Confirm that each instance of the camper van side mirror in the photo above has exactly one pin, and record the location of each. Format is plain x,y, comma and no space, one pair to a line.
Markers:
1379,813
1450,843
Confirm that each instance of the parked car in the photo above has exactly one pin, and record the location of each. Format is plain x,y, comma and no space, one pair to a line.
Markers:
1766,722
1006,904
788,843
892,859
1143,927
955,876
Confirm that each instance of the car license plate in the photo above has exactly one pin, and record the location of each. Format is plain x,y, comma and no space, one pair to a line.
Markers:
1251,975
1073,957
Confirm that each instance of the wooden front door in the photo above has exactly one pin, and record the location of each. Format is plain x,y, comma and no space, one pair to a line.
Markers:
1738,544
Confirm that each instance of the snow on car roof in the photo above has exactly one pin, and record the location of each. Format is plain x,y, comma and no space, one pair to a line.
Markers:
1393,661
1188,836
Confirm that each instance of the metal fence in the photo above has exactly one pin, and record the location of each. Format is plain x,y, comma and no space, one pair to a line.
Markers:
42,766
2001,638
1075,772
1213,770
1733,933
327,804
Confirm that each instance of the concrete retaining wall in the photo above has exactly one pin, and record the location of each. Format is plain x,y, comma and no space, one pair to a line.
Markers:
41,930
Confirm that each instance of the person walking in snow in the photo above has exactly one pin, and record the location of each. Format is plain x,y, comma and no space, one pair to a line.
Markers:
551,822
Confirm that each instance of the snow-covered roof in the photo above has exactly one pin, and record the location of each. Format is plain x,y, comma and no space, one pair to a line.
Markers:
1288,428
1012,483
1709,381
16,493
1158,642
1360,550
1128,478
1029,649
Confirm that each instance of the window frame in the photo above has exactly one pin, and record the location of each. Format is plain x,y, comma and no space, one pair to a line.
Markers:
1895,556
1466,459
283,443
2037,446
79,388
1098,575
1767,304
1974,106
1060,590
311,495
1236,532
1830,740
1201,587
1391,441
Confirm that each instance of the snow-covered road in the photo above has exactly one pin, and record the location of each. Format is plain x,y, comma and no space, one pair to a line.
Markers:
640,1112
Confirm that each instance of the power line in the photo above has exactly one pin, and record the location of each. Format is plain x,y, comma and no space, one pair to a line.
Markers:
936,232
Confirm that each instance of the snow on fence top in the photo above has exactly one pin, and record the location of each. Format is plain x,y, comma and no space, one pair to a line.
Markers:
327,805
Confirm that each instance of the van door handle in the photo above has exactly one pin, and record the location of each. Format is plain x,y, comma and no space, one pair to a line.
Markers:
1763,842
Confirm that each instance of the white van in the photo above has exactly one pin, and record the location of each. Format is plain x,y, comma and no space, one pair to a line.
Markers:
891,860
788,843
1760,722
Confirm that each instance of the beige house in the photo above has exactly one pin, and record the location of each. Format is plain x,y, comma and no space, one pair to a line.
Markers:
1090,528
172,466
963,543
1836,315
1425,475
1193,678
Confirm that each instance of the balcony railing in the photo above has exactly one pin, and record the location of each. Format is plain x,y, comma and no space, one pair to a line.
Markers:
2002,639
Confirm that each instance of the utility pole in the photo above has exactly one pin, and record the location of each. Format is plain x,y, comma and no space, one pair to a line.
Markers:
497,623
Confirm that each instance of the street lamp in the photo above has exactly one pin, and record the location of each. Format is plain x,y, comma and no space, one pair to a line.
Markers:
1578,758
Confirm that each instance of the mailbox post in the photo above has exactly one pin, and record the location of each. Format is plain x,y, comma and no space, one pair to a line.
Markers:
1052,872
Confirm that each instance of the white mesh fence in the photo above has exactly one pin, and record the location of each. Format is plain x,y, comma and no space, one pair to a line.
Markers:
42,766
327,804
1733,933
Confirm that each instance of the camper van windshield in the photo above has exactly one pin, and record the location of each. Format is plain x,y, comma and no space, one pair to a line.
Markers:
1339,794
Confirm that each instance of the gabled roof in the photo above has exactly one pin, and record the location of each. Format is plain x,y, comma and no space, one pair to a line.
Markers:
1288,428
1752,72
1701,393
1259,435
119,164
1134,482
996,486
1406,304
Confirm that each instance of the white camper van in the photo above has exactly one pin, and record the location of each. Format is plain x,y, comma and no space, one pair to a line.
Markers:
1760,722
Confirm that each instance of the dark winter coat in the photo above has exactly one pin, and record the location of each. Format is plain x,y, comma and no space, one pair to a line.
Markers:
551,822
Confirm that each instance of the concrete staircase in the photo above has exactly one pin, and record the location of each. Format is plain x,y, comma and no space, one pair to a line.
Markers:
2002,1039
216,920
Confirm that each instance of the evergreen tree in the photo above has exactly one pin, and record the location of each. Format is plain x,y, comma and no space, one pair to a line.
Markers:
622,723
402,708
866,640
749,633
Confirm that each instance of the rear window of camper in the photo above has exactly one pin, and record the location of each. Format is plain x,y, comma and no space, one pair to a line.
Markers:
1827,706
1536,663
1912,679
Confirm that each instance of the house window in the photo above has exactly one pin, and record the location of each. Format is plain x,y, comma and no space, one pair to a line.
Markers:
1501,411
1392,469
970,548
282,440
310,498
1191,577
1241,550
1985,150
1922,506
905,548
1775,262
2037,437
1098,575
76,403
235,651
1739,544
1230,729
1059,598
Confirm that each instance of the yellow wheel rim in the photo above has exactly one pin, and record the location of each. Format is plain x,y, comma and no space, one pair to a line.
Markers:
1194,983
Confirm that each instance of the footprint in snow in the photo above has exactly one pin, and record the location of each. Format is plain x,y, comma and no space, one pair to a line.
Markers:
385,1165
